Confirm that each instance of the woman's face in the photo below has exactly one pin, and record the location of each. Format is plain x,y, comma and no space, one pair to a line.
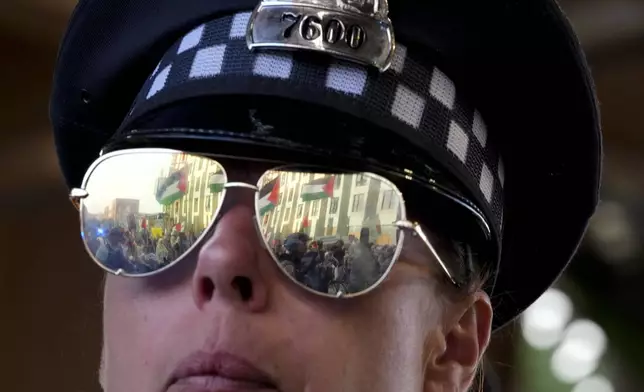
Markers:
227,319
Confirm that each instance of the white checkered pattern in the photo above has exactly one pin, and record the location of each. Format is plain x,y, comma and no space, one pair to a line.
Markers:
443,89
239,26
208,62
413,98
191,40
347,79
486,183
479,129
159,82
408,106
271,65
458,141
398,61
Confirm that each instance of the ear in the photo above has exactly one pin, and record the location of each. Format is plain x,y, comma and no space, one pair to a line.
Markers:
457,351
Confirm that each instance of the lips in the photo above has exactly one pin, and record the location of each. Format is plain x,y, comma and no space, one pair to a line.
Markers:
218,372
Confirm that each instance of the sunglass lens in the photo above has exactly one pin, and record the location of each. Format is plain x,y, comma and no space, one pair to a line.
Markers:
145,210
331,233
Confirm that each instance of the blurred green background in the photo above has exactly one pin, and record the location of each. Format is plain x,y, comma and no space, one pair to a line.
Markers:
585,335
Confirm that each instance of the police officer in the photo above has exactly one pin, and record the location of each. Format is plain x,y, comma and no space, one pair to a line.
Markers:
469,129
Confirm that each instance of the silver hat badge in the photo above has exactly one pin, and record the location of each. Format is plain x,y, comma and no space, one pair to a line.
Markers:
356,30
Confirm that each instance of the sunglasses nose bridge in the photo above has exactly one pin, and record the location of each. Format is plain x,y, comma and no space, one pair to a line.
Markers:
236,184
233,196
235,193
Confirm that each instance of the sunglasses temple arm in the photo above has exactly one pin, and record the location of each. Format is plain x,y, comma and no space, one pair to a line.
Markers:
418,230
76,195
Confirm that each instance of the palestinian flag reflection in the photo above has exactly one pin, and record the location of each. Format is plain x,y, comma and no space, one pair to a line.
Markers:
173,188
269,196
318,189
217,181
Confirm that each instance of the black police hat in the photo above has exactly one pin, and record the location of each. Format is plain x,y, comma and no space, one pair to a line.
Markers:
516,63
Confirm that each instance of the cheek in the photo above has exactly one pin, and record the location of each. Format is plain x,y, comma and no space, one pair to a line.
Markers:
138,331
373,342
405,315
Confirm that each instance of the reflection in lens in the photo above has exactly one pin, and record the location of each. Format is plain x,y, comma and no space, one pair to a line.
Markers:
146,209
333,233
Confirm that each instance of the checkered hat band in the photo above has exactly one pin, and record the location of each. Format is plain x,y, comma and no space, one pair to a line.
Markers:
412,98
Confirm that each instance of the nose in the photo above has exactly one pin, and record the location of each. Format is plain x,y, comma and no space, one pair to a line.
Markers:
228,263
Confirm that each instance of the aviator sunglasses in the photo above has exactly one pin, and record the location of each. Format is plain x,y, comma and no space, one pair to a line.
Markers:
334,233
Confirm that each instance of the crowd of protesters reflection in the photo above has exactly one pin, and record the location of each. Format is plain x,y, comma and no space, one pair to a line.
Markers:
332,267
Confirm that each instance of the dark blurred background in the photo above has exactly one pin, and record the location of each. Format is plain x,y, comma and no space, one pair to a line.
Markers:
585,335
